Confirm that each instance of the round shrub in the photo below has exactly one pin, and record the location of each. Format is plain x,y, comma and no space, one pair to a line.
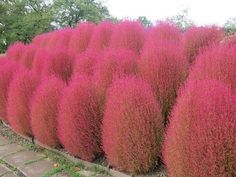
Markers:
44,111
113,65
28,54
197,38
86,61
217,63
80,37
79,121
164,67
132,126
129,35
7,70
59,64
42,56
64,37
200,139
164,31
101,36
20,92
15,51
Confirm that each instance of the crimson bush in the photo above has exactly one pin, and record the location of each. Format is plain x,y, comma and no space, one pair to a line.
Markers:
132,126
7,70
114,64
86,61
15,51
217,63
44,111
79,121
197,38
59,64
101,36
164,67
200,139
20,92
80,37
129,35
28,54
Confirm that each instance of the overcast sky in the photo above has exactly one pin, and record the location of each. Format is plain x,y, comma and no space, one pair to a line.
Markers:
201,11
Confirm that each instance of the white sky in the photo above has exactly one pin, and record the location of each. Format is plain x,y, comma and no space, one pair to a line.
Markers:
202,12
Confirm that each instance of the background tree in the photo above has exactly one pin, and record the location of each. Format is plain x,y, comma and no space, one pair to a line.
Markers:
147,23
70,12
182,19
230,26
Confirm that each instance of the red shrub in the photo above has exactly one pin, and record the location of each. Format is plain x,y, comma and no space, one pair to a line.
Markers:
164,31
64,37
20,91
196,38
114,64
80,37
132,126
86,61
217,63
15,51
44,111
101,36
7,69
128,35
42,56
164,67
79,121
28,54
59,64
42,39
200,139
229,41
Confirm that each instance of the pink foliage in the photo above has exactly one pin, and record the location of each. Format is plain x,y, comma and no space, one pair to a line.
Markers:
132,126
197,38
28,54
129,35
44,111
101,36
80,37
19,95
15,51
217,63
200,139
164,67
79,122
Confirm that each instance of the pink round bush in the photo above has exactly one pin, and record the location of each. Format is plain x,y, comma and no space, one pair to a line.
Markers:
80,37
7,70
28,54
200,139
44,111
79,121
132,126
217,63
113,65
19,95
128,35
164,67
101,36
86,61
15,51
59,64
197,38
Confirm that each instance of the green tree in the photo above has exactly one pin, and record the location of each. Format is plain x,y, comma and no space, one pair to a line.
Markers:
70,12
147,23
230,26
182,19
20,20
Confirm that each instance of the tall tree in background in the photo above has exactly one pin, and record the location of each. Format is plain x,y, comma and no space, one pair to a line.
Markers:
182,19
230,26
70,12
147,23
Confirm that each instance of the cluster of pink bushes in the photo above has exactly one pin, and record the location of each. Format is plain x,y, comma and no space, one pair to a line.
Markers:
109,89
